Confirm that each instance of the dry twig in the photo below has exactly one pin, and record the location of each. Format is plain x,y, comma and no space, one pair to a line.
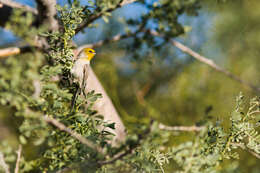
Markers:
208,61
212,64
19,152
181,128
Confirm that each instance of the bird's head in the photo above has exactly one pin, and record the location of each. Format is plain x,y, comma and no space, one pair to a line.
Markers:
87,54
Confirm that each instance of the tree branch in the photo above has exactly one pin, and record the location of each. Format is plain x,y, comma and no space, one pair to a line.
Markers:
47,13
213,65
181,128
208,62
15,51
94,17
14,4
19,152
3,163
74,134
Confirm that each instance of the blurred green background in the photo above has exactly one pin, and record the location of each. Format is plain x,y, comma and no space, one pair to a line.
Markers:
168,85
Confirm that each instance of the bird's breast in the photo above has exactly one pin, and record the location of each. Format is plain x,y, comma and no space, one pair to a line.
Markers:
78,68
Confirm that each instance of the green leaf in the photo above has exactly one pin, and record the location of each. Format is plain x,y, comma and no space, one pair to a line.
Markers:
22,139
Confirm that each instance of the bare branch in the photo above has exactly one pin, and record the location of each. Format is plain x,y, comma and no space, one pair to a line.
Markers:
9,51
3,163
79,137
125,2
19,152
209,62
94,17
213,65
14,4
181,128
15,51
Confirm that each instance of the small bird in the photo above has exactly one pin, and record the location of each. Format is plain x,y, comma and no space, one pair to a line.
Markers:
80,71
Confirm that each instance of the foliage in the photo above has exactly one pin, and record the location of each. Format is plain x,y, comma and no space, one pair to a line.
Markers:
213,145
147,147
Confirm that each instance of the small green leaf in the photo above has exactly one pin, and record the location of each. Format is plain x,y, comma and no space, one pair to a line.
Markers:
22,139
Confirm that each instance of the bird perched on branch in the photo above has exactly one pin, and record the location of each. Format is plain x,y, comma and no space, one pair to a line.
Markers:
80,71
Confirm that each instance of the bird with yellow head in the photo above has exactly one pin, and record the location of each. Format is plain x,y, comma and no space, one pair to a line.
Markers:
80,71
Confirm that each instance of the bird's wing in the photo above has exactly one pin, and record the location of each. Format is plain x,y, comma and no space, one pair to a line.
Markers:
85,77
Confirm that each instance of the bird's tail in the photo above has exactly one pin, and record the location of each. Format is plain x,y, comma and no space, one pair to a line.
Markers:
74,98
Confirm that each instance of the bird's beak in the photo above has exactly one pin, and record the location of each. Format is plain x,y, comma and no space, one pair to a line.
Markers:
94,53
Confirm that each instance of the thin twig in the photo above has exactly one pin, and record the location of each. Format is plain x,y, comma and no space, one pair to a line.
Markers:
208,61
19,152
212,64
181,128
3,163
94,17
79,137
14,4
